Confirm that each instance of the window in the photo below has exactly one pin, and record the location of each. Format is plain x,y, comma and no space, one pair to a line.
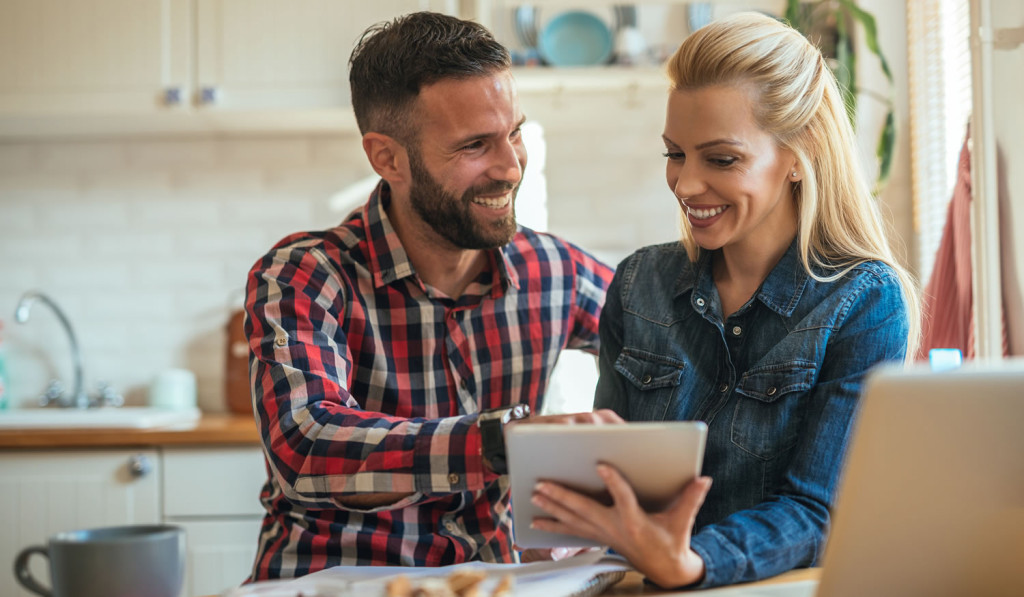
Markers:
940,101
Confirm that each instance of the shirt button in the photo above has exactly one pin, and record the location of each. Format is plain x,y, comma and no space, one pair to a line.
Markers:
463,384
771,391
281,341
736,330
723,388
450,526
700,302
453,478
645,379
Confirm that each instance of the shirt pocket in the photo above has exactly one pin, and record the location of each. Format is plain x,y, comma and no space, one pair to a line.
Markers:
653,382
769,407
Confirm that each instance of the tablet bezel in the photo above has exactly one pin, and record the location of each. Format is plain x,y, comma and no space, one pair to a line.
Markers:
657,458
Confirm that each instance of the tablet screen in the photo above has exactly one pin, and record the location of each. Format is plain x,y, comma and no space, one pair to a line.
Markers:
657,458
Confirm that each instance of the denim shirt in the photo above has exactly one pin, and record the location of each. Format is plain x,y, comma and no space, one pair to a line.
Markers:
777,383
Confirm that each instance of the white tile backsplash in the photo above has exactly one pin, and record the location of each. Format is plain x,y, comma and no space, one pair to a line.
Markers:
145,243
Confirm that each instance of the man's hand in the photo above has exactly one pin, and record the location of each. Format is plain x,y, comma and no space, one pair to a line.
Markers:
599,417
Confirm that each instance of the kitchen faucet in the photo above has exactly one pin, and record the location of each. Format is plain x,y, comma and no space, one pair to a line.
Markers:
54,392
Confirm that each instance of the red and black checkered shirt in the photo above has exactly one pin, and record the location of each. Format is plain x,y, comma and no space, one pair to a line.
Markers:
365,380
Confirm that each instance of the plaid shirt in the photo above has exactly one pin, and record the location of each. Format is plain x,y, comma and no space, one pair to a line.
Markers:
365,379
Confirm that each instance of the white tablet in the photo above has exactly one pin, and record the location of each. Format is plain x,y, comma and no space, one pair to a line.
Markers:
658,459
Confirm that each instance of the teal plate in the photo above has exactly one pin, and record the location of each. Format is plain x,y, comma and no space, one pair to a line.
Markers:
575,38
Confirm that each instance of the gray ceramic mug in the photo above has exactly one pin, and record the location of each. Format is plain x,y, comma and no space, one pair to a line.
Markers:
125,561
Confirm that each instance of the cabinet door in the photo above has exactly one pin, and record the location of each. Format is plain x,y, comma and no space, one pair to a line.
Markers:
42,493
110,56
265,54
213,493
220,554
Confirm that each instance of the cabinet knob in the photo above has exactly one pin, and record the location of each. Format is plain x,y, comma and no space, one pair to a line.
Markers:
208,95
139,465
172,96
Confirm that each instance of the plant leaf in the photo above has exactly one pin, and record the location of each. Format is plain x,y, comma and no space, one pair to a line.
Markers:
867,20
886,146
793,15
846,67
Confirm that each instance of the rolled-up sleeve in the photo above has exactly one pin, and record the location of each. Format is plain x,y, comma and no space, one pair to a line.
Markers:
319,442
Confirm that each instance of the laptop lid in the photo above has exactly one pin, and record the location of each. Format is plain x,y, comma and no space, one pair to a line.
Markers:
932,497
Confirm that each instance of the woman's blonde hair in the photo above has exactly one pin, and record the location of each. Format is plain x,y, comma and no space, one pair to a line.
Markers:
797,101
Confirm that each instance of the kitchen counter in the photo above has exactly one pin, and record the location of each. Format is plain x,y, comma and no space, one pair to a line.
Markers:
215,429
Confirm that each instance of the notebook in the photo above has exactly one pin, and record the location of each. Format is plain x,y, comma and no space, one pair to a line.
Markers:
931,501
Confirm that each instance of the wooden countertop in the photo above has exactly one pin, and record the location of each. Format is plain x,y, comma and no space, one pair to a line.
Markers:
633,583
210,430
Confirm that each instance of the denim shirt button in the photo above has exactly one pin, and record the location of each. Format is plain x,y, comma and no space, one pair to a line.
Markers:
700,302
645,379
736,330
723,388
771,391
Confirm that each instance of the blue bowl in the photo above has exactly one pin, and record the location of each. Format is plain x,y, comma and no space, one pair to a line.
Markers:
575,38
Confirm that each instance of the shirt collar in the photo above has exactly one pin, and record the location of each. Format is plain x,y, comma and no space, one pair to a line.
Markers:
389,260
780,291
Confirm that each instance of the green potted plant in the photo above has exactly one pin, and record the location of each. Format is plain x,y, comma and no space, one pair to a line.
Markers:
829,24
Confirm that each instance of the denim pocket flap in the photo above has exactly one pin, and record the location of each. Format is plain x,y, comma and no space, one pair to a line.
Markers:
770,382
649,371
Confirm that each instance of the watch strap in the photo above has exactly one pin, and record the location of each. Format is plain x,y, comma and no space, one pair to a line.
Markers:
492,433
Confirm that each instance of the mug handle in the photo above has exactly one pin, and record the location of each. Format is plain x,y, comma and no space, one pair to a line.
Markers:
23,574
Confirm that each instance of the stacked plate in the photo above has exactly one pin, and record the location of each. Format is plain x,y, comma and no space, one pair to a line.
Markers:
573,37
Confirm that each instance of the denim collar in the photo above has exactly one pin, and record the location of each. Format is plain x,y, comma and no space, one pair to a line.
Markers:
780,291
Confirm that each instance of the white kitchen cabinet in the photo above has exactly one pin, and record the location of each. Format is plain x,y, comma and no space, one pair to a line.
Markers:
101,56
46,492
161,64
213,493
259,54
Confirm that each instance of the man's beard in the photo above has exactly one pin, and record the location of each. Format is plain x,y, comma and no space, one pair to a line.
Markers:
450,217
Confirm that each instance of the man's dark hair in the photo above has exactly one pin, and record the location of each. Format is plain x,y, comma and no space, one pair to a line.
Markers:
393,60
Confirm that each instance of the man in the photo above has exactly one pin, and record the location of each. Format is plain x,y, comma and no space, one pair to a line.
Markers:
388,352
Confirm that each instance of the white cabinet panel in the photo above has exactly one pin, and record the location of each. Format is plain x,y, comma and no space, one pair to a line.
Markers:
220,554
97,56
42,493
74,67
265,54
209,482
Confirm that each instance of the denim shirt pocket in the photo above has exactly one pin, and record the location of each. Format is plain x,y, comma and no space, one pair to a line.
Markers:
654,377
769,407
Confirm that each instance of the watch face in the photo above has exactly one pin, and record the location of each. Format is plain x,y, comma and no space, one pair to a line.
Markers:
518,411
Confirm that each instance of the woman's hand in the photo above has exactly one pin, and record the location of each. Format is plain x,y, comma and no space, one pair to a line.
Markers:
658,545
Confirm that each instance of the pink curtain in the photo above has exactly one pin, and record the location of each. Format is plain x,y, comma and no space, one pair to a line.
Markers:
948,320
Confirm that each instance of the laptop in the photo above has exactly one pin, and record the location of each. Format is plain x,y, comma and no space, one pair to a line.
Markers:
931,501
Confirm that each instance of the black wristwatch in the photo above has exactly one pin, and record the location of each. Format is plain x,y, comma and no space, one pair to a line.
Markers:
492,432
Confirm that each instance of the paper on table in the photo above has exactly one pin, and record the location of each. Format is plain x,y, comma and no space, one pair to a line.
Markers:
586,574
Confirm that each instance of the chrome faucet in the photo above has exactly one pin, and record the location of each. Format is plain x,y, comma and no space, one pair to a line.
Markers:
55,393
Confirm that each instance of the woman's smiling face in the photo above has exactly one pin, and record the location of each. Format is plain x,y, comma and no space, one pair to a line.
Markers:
731,178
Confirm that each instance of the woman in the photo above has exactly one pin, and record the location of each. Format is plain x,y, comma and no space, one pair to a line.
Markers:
762,322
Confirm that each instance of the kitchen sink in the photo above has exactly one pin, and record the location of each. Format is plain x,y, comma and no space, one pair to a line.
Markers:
127,417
